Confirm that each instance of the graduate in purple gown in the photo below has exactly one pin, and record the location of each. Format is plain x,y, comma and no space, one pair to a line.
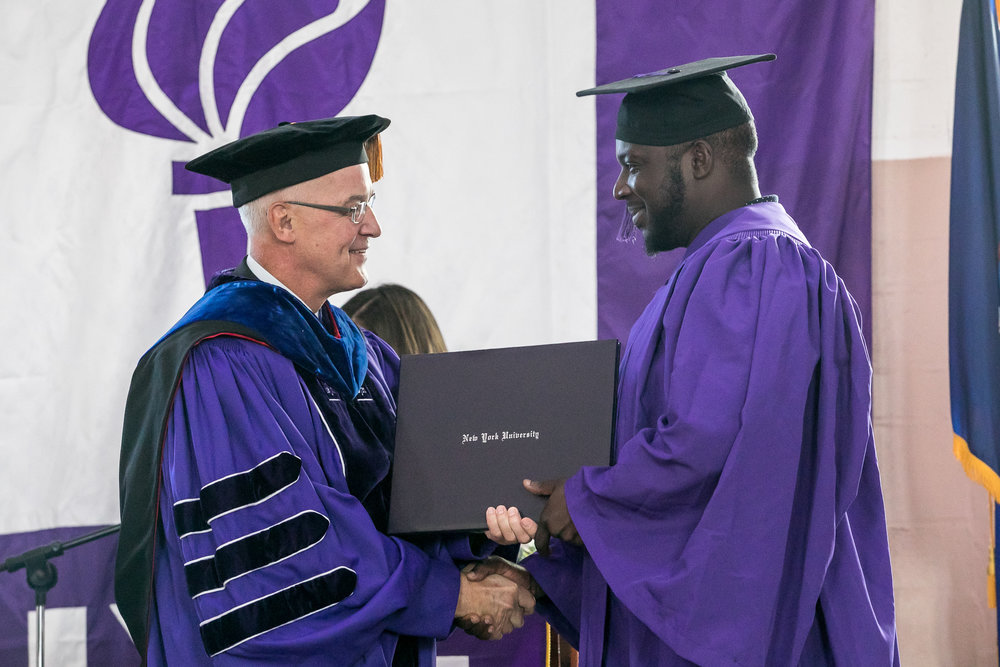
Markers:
258,442
742,521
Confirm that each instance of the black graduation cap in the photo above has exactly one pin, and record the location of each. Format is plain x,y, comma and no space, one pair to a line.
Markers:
293,153
680,103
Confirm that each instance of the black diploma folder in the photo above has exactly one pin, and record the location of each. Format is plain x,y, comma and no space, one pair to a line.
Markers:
472,425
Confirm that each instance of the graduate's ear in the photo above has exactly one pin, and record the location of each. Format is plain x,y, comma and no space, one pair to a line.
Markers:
702,158
279,219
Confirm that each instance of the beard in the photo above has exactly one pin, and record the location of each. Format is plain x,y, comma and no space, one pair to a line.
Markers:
662,227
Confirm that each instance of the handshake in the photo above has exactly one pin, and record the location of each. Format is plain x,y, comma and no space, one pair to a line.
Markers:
495,595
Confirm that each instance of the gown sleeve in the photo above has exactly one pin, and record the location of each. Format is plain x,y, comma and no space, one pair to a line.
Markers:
281,561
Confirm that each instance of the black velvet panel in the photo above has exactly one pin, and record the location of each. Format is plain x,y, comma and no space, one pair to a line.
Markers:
188,518
277,609
252,486
255,551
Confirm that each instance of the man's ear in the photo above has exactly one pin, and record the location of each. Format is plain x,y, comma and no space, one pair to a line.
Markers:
279,219
702,158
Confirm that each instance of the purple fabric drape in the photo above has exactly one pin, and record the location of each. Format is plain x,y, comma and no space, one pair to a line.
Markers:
813,113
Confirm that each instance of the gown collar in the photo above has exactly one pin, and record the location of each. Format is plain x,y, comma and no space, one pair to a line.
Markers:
764,216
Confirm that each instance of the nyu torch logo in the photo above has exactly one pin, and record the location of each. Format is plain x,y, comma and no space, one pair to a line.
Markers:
212,71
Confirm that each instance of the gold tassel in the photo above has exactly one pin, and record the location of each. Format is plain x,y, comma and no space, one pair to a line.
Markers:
991,582
985,475
548,646
373,147
976,469
991,575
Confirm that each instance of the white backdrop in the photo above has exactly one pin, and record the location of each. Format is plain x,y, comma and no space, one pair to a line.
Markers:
487,212
488,204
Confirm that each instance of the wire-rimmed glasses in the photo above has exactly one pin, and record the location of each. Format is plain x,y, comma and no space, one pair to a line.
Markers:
357,212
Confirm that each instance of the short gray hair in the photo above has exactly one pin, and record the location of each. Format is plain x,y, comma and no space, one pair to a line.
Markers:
254,215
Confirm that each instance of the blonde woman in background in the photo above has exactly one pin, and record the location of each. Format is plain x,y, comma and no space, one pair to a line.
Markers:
398,316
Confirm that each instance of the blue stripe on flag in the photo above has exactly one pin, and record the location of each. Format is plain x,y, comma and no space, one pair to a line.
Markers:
974,274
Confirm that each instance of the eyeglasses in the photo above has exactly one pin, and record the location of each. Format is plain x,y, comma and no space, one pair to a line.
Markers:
356,212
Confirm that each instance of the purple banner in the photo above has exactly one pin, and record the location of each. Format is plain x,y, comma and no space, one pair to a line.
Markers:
812,108
209,73
525,647
85,580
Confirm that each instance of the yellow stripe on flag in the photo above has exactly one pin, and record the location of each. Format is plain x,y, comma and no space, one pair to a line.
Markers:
974,468
985,475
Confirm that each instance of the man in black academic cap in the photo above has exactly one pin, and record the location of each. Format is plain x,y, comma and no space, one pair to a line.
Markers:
742,521
258,440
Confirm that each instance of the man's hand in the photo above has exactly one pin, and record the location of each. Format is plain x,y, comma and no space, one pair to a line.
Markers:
507,526
554,519
497,565
491,606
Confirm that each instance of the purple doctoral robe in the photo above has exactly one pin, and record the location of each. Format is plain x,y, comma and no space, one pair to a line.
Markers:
742,522
272,499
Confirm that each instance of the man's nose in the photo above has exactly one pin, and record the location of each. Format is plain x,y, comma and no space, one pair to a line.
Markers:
369,225
621,189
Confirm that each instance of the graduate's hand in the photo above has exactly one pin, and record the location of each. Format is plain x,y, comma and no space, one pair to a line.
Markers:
507,526
492,606
554,519
475,626
494,565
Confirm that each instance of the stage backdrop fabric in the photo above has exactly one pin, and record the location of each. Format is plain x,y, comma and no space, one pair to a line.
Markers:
812,108
486,211
496,204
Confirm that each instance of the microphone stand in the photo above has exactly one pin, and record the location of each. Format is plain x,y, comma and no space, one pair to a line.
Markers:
42,576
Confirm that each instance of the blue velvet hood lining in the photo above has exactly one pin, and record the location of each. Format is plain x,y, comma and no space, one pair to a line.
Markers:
287,325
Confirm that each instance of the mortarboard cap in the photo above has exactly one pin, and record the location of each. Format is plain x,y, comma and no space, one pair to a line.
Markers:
293,153
680,103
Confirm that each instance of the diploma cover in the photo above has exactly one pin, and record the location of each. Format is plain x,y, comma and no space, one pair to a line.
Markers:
472,425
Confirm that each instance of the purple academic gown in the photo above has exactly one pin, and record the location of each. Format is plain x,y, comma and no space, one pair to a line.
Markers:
742,522
279,563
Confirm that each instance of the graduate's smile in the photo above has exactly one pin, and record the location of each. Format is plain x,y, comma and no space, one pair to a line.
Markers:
635,212
653,189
